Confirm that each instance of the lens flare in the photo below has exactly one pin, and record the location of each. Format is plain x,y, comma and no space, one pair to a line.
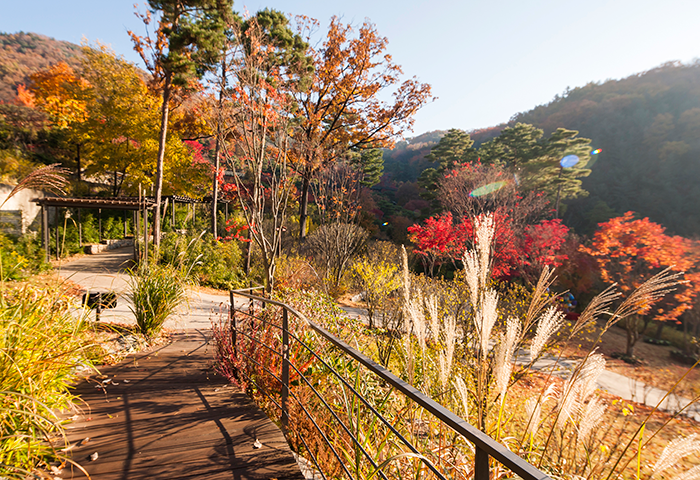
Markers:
569,161
596,151
486,189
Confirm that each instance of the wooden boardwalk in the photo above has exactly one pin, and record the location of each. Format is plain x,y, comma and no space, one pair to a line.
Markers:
166,414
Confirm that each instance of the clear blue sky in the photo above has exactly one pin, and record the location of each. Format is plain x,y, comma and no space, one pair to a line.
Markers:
486,60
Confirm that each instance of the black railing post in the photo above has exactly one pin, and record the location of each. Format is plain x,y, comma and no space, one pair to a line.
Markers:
232,319
481,464
285,369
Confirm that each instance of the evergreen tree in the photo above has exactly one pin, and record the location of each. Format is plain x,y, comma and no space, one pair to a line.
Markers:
193,33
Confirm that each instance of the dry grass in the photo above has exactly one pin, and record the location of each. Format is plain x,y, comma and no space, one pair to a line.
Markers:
617,428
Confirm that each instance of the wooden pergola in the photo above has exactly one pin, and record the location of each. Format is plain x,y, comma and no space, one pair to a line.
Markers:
140,207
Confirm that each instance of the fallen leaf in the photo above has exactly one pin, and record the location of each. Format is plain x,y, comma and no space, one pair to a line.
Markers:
257,444
84,441
55,470
125,381
94,456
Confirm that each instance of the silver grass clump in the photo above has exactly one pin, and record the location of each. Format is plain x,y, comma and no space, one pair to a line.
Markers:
591,416
504,355
533,409
49,177
414,311
649,292
463,392
548,324
446,355
486,317
579,388
477,262
471,275
588,375
485,227
596,307
406,276
431,306
540,297
569,406
676,450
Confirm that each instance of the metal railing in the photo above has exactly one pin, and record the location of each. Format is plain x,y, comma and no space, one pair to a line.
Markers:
264,339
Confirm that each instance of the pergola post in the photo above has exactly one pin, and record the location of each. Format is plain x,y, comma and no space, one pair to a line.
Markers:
99,214
58,253
45,231
136,235
145,235
80,228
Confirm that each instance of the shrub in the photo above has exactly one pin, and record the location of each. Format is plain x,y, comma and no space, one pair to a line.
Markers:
42,345
21,256
203,260
157,291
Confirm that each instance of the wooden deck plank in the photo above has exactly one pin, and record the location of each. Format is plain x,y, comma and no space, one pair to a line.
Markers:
174,418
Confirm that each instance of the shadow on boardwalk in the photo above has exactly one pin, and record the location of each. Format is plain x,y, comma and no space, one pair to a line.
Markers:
167,414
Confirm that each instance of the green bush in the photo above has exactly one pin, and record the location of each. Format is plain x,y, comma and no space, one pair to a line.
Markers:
210,263
157,291
20,257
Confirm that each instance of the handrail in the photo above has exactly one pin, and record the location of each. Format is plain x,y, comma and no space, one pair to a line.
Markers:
485,446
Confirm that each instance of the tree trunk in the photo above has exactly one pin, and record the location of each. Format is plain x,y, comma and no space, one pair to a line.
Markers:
215,190
77,160
161,156
659,330
304,206
631,325
217,160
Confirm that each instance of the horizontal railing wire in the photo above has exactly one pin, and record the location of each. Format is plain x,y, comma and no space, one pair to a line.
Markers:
484,446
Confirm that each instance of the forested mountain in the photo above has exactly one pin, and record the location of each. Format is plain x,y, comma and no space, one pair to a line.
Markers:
22,54
406,160
648,127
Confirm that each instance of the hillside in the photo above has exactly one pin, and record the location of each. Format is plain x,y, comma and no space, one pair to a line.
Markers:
648,126
22,54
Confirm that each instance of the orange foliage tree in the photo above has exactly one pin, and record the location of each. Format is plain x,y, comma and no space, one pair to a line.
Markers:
629,251
60,93
340,109
64,96
188,42
254,132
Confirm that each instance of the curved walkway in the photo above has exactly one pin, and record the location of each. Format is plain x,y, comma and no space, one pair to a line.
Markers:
166,413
